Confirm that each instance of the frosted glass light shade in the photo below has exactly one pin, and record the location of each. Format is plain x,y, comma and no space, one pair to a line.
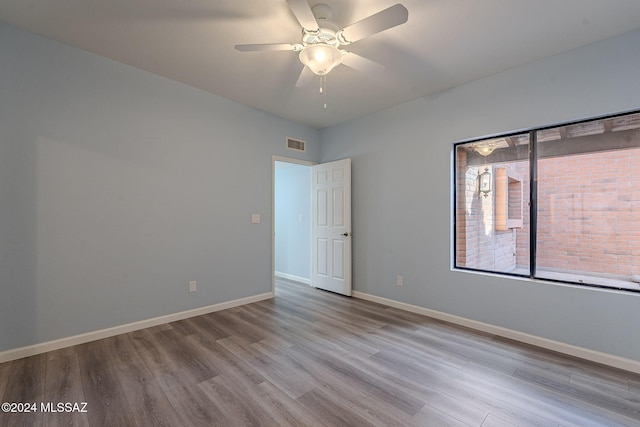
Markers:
485,150
321,58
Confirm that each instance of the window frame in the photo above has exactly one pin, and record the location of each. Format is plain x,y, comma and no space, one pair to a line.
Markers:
533,202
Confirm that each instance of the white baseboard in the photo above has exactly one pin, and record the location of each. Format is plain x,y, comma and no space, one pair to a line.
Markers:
583,353
292,277
32,350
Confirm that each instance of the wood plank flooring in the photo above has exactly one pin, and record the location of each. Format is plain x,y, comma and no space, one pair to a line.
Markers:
313,358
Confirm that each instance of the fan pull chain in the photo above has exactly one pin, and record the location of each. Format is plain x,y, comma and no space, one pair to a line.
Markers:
323,90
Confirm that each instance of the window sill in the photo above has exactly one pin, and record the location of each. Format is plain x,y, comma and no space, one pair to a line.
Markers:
583,278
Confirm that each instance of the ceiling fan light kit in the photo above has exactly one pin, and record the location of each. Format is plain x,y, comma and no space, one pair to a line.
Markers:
321,38
321,58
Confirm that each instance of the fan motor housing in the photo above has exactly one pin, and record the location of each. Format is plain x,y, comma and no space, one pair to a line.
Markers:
327,34
328,28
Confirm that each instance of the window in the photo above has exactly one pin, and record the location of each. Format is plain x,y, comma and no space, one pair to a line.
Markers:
580,220
492,233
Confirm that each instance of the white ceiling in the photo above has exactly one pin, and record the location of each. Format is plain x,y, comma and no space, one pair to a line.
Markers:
444,43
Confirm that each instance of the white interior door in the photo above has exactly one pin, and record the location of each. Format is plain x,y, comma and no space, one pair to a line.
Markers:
331,226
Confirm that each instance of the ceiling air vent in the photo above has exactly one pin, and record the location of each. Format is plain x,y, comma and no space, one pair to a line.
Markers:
294,144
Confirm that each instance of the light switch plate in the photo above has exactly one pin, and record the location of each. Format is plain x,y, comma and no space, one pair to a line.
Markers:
255,219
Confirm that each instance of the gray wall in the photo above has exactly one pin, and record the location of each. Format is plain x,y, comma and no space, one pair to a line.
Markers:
293,220
402,195
118,187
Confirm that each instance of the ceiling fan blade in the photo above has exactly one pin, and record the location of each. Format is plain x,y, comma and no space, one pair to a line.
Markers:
383,20
306,75
267,46
304,15
359,63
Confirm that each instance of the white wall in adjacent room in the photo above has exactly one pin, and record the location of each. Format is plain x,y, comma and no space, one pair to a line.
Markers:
293,221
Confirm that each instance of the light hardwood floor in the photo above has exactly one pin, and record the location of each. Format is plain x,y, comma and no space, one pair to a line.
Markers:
312,358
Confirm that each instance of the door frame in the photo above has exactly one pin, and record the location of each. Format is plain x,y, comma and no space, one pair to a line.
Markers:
275,159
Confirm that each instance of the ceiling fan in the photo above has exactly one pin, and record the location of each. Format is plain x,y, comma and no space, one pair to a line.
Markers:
320,50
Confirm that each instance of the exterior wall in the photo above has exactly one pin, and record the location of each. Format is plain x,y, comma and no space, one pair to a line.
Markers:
522,234
589,212
588,216
462,245
480,244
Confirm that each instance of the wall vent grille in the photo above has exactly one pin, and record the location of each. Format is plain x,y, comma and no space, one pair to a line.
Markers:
295,144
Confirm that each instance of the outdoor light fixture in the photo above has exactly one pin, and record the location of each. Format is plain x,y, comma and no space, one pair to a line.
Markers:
484,182
321,58
484,150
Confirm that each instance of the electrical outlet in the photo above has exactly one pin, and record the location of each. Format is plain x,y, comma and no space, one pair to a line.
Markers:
193,286
399,281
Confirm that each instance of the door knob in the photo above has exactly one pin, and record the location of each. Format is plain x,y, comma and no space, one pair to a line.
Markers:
346,234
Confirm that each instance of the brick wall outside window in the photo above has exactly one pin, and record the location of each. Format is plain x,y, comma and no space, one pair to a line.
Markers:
588,216
589,212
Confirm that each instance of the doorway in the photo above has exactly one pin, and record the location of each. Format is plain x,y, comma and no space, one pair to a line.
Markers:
291,220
